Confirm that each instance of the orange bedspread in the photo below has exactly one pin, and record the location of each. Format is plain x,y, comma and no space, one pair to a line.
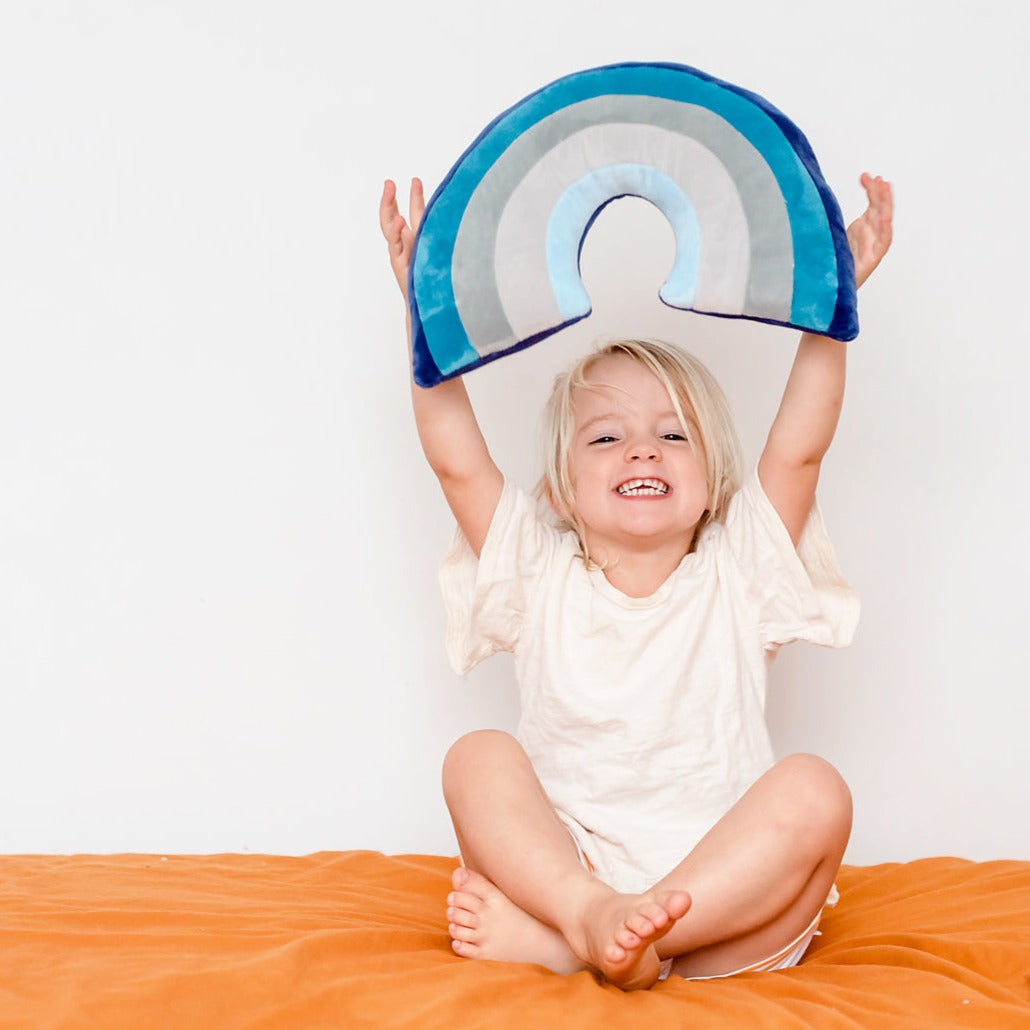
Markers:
357,939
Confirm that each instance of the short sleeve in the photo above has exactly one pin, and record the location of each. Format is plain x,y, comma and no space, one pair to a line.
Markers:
798,594
485,599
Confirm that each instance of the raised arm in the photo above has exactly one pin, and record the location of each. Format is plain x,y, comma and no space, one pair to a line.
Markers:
808,414
451,439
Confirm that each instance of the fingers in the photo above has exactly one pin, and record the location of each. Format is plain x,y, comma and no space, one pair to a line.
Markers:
881,210
399,236
391,221
881,199
388,209
870,234
416,203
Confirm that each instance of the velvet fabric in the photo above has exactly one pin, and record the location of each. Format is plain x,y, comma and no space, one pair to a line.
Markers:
758,232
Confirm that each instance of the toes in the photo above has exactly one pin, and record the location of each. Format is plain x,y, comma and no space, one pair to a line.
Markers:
459,899
473,883
463,917
463,934
464,949
463,909
656,915
646,923
459,878
677,904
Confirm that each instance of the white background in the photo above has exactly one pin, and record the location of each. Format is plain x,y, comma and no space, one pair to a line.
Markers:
219,620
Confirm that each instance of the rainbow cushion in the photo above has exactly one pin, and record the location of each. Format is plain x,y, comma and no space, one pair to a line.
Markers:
758,233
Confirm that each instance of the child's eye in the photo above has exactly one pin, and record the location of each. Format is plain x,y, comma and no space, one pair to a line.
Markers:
605,438
673,436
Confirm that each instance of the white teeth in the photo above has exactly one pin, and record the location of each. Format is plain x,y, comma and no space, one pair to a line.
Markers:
643,488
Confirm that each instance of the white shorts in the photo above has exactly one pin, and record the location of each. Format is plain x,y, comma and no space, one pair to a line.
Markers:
785,958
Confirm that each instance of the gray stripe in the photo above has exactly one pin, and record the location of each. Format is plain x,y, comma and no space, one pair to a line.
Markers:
478,302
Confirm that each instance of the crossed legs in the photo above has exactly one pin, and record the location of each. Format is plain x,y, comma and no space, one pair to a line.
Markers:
752,885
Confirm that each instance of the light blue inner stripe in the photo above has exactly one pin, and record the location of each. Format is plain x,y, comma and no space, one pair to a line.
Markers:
579,203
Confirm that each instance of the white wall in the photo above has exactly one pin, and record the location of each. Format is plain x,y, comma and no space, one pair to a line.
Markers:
219,623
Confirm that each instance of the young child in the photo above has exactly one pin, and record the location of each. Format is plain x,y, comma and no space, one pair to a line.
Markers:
638,825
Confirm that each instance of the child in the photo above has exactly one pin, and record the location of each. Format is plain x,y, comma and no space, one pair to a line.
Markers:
638,824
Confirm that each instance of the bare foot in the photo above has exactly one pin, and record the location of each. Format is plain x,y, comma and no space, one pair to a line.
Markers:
484,923
619,932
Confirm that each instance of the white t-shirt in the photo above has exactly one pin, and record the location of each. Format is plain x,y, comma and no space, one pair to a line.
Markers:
644,717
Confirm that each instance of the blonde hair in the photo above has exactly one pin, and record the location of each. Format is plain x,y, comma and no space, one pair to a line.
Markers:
696,397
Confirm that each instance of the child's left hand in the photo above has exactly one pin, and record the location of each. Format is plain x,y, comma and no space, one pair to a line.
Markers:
870,234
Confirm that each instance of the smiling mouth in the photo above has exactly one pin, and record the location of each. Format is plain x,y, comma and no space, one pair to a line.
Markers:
643,488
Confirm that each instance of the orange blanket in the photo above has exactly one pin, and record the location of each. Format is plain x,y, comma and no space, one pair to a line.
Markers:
357,939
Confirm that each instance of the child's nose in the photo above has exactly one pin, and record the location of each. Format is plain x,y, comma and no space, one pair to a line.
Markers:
644,450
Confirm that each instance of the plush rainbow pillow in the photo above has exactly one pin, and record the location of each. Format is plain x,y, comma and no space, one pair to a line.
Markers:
758,233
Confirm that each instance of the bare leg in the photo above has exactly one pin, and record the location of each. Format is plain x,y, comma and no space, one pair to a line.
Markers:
763,872
509,833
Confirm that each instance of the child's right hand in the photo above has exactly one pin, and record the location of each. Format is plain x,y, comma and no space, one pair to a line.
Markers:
398,233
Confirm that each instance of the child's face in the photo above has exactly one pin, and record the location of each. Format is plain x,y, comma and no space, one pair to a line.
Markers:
638,481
